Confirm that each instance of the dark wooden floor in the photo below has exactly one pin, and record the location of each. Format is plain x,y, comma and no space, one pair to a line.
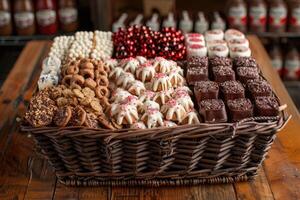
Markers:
26,175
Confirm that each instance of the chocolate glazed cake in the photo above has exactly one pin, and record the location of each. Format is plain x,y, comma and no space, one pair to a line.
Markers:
206,90
239,109
213,111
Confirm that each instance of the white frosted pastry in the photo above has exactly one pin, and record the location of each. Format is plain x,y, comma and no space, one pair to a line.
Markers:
233,34
119,95
163,96
145,72
125,80
162,65
184,99
183,89
141,59
150,104
160,82
196,51
173,111
240,52
129,64
195,41
243,42
218,50
146,95
124,113
176,78
136,88
111,63
152,118
215,34
216,42
116,73
191,118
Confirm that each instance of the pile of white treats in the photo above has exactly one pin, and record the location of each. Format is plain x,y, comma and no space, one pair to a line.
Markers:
232,43
97,45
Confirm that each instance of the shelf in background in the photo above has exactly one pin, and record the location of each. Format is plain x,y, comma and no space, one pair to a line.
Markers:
277,35
16,40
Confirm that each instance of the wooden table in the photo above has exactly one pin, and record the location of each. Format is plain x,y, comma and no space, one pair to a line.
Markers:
26,175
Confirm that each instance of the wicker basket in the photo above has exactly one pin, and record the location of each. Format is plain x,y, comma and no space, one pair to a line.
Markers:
184,155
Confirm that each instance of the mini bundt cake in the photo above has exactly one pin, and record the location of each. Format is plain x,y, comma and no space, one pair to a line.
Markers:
173,111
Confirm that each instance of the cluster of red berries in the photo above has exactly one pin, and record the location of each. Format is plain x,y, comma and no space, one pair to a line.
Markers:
142,41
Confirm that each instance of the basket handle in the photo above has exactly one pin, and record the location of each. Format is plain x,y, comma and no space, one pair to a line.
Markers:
286,116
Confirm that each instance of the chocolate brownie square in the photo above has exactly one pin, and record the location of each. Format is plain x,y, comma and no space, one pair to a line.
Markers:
222,74
194,75
244,62
239,109
258,88
220,61
196,62
266,106
206,90
232,90
247,73
213,111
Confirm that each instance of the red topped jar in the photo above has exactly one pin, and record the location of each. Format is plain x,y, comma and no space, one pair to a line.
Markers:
24,17
46,17
257,16
237,15
294,16
5,18
68,15
277,16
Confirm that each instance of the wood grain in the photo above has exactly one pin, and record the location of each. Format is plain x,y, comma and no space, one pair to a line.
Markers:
203,192
282,166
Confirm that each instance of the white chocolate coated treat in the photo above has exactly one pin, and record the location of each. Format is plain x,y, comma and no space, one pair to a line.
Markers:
233,34
240,52
215,34
238,43
173,111
129,64
136,88
218,50
47,80
196,50
216,42
152,118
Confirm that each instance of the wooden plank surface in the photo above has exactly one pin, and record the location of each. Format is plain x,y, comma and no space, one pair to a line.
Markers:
282,168
24,175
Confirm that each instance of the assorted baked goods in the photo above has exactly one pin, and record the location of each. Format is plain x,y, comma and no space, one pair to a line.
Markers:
82,85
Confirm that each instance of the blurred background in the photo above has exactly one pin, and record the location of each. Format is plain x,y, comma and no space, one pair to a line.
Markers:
275,22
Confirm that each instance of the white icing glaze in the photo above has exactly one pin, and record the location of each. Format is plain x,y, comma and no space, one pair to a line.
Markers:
111,63
216,34
136,87
160,82
191,118
175,78
147,95
141,59
183,88
129,64
150,104
173,110
162,65
125,79
119,95
116,73
233,34
240,52
163,96
152,118
218,50
124,113
145,72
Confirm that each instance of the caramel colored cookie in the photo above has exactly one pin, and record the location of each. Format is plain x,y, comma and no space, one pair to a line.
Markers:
78,93
42,116
88,92
62,116
95,105
103,120
91,121
61,101
78,116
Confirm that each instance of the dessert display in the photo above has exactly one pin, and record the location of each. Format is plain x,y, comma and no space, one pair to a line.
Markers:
81,84
213,111
239,109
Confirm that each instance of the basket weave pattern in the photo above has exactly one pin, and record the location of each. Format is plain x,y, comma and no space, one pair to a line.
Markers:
184,155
